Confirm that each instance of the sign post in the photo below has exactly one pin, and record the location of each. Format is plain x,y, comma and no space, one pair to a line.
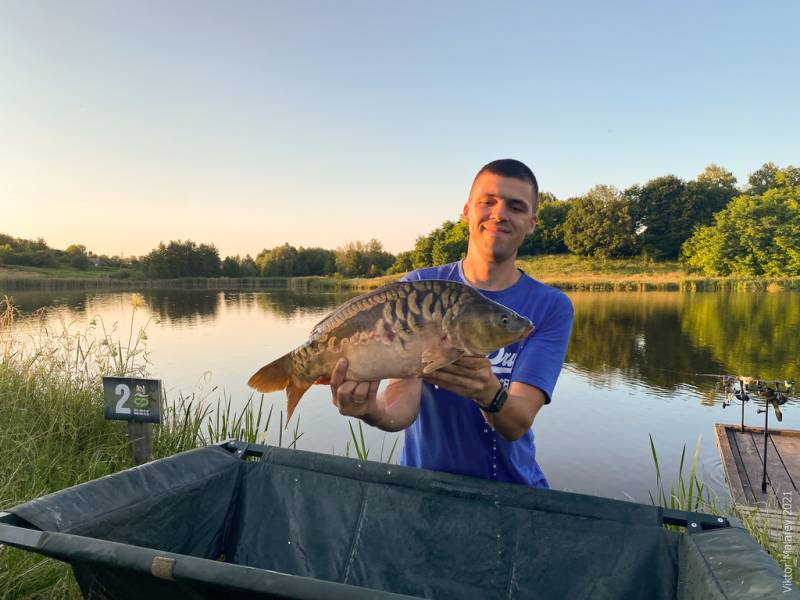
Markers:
137,401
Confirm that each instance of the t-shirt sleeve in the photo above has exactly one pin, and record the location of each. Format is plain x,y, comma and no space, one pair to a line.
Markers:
542,355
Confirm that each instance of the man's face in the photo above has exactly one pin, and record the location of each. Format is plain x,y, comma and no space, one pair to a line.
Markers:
500,214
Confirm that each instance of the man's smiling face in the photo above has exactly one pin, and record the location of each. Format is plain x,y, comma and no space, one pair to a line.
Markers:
500,214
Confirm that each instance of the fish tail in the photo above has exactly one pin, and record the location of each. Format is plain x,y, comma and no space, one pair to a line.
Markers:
274,376
277,375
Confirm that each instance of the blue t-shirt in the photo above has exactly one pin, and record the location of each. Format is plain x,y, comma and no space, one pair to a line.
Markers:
450,434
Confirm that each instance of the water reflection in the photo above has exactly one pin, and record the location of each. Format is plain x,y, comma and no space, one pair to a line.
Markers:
294,305
183,306
749,334
638,336
666,340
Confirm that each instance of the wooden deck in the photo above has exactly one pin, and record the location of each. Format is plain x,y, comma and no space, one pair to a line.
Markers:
742,454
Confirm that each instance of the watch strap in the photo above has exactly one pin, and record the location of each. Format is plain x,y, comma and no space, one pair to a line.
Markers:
497,402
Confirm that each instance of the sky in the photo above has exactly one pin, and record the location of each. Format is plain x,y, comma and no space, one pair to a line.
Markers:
251,124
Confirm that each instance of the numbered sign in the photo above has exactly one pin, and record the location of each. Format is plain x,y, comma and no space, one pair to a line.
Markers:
131,399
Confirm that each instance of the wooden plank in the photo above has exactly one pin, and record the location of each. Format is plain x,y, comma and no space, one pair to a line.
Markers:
789,448
751,459
735,486
778,450
777,475
749,488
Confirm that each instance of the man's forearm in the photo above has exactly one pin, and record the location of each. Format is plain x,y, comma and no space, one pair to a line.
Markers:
397,406
513,421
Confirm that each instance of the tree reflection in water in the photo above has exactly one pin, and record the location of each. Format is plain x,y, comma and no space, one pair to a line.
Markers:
665,339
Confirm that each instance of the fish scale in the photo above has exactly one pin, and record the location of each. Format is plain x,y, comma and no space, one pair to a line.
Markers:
405,329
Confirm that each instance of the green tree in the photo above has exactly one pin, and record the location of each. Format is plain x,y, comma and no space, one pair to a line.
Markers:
281,261
600,224
752,236
357,259
657,209
717,176
182,259
78,257
447,243
316,261
248,267
403,263
771,176
5,252
706,195
450,243
231,266
548,237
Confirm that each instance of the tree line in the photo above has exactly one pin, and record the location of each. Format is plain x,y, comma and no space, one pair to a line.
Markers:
708,223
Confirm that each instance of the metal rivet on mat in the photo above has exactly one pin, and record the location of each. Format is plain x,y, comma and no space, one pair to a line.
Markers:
693,524
720,519
162,567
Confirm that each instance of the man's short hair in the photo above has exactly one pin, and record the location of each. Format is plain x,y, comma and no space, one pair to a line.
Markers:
509,167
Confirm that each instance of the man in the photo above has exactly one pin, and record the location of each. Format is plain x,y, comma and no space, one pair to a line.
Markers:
474,417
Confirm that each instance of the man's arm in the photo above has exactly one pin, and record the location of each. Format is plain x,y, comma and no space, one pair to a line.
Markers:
393,410
472,377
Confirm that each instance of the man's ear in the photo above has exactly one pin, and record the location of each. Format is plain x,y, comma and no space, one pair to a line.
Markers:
465,211
534,220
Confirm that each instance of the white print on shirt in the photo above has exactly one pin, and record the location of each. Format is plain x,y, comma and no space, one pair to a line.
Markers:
503,361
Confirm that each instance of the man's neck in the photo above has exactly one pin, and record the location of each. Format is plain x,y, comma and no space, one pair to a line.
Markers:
490,276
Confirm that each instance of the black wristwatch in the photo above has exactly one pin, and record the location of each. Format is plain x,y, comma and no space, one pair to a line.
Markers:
497,402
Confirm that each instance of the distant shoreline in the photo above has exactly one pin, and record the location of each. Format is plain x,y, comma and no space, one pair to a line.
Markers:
585,281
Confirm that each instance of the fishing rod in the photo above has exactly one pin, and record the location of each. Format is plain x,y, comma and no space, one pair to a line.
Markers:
773,392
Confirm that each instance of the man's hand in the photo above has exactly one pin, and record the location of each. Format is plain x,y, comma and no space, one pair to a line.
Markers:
470,377
354,398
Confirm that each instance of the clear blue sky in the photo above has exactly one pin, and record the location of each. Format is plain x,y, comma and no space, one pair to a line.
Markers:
251,124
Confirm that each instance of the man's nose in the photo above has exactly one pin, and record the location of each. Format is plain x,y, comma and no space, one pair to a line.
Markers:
500,211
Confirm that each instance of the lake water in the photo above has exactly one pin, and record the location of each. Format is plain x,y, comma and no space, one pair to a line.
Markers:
633,368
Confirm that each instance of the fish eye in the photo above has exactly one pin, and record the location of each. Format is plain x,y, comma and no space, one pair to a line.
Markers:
504,319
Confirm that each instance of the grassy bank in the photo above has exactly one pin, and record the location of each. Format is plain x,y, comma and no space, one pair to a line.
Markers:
570,272
565,271
54,434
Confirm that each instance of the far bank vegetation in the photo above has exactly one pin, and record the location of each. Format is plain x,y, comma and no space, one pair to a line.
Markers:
709,226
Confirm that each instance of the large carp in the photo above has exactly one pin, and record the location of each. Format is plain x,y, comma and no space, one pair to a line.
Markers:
404,329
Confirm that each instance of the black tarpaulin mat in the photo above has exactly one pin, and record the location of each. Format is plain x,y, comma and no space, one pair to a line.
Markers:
306,525
437,535
181,504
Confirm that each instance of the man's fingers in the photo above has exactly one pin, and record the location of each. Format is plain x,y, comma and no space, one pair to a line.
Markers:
461,371
339,373
449,380
473,362
361,392
373,390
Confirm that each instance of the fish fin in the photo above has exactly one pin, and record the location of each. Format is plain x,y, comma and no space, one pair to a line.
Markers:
294,391
436,358
272,377
323,380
